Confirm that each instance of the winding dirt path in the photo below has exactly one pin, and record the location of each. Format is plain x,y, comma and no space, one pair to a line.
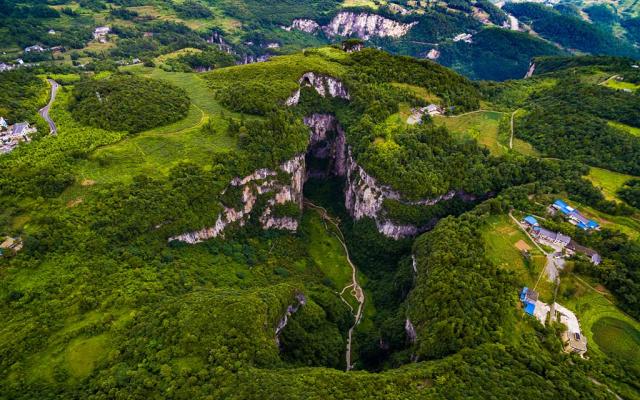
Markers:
356,290
44,111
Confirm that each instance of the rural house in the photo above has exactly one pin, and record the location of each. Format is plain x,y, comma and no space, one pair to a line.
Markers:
574,341
574,216
573,248
550,237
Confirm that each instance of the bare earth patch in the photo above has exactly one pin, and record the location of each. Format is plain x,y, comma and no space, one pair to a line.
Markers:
88,182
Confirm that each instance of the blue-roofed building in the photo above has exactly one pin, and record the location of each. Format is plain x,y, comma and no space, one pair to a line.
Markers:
575,216
529,298
531,221
529,308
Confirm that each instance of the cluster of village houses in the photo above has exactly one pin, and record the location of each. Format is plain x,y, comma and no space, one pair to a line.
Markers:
100,34
573,339
12,135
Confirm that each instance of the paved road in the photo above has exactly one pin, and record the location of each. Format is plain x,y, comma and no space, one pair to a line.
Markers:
44,111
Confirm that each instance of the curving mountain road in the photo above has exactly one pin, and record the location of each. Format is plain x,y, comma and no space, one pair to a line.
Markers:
44,111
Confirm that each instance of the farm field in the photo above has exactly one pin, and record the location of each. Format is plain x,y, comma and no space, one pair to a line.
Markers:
501,236
482,126
631,129
620,85
608,182
609,331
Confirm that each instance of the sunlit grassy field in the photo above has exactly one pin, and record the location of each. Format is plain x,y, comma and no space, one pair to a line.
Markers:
482,126
608,182
500,236
609,331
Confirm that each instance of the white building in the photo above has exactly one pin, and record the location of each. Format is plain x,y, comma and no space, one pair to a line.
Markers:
35,48
100,33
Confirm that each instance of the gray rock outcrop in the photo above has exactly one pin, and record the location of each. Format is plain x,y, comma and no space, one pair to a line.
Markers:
324,85
350,24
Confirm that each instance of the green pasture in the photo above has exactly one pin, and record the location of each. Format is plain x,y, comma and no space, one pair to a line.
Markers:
500,235
608,182
482,126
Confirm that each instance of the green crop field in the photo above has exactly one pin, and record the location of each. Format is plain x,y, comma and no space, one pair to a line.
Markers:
482,126
608,182
631,129
500,236
618,339
325,250
620,85
609,331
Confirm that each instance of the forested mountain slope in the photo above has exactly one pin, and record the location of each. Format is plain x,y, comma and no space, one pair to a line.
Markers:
474,37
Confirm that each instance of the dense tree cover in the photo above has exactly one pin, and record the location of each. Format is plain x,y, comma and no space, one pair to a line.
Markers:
632,25
496,15
601,13
561,64
570,121
166,37
315,334
272,141
24,24
570,32
630,192
21,95
620,268
278,12
207,59
425,162
192,9
377,66
495,54
460,299
128,103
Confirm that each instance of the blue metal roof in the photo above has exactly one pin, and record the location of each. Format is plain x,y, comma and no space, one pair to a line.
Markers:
531,220
529,308
523,293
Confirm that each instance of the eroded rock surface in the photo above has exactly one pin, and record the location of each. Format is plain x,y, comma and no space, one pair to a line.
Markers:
350,24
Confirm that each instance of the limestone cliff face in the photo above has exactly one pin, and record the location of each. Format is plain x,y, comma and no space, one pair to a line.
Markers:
364,195
350,24
303,25
258,183
324,85
300,301
365,26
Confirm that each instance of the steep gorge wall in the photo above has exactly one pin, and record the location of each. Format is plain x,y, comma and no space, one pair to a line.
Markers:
350,24
364,195
260,182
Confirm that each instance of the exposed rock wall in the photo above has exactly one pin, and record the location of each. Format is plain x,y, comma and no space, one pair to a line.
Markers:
362,25
365,26
260,182
303,25
324,85
300,300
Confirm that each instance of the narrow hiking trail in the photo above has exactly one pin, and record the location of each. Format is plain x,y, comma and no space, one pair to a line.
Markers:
44,111
356,290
